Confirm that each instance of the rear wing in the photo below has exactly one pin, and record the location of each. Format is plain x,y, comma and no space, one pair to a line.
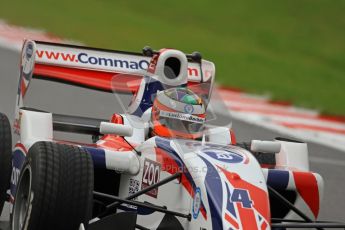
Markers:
91,68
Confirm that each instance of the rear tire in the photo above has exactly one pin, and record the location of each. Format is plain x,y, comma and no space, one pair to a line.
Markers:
5,158
54,189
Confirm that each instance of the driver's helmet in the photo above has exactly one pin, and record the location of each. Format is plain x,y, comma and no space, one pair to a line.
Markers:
178,113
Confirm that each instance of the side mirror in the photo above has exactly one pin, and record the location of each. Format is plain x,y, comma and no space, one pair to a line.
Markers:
117,129
265,146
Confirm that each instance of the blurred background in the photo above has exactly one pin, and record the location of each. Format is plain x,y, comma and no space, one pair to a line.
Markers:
289,50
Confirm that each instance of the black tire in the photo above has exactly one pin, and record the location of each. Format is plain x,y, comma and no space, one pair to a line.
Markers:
54,189
5,158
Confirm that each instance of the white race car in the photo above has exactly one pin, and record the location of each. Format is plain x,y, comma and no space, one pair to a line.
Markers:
187,172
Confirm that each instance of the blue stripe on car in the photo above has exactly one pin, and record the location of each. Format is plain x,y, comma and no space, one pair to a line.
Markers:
98,156
164,144
278,179
214,190
151,89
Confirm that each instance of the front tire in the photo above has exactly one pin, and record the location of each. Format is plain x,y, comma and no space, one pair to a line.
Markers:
54,189
5,158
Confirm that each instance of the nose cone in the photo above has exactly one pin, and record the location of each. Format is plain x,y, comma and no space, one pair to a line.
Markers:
234,201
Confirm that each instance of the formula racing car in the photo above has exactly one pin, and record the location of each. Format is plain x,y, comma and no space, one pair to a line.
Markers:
165,158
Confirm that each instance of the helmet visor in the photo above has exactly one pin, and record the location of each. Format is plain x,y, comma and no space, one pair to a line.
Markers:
186,123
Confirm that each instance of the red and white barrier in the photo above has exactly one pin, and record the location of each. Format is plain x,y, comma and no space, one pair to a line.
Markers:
305,124
12,36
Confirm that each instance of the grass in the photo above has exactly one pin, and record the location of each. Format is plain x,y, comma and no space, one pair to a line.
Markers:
293,50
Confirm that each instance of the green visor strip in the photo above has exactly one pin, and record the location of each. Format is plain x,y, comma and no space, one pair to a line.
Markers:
189,99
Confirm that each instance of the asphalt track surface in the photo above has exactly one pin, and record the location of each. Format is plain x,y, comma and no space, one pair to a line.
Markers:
328,162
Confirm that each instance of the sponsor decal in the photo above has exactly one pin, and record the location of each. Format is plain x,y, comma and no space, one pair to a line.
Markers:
15,176
189,109
224,155
153,64
118,63
19,156
151,175
28,60
182,116
111,61
29,51
193,72
17,123
134,186
88,59
196,203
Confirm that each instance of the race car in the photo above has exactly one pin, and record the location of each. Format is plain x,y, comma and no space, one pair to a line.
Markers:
166,159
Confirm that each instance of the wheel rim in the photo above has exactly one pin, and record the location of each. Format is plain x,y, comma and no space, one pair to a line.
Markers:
22,199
